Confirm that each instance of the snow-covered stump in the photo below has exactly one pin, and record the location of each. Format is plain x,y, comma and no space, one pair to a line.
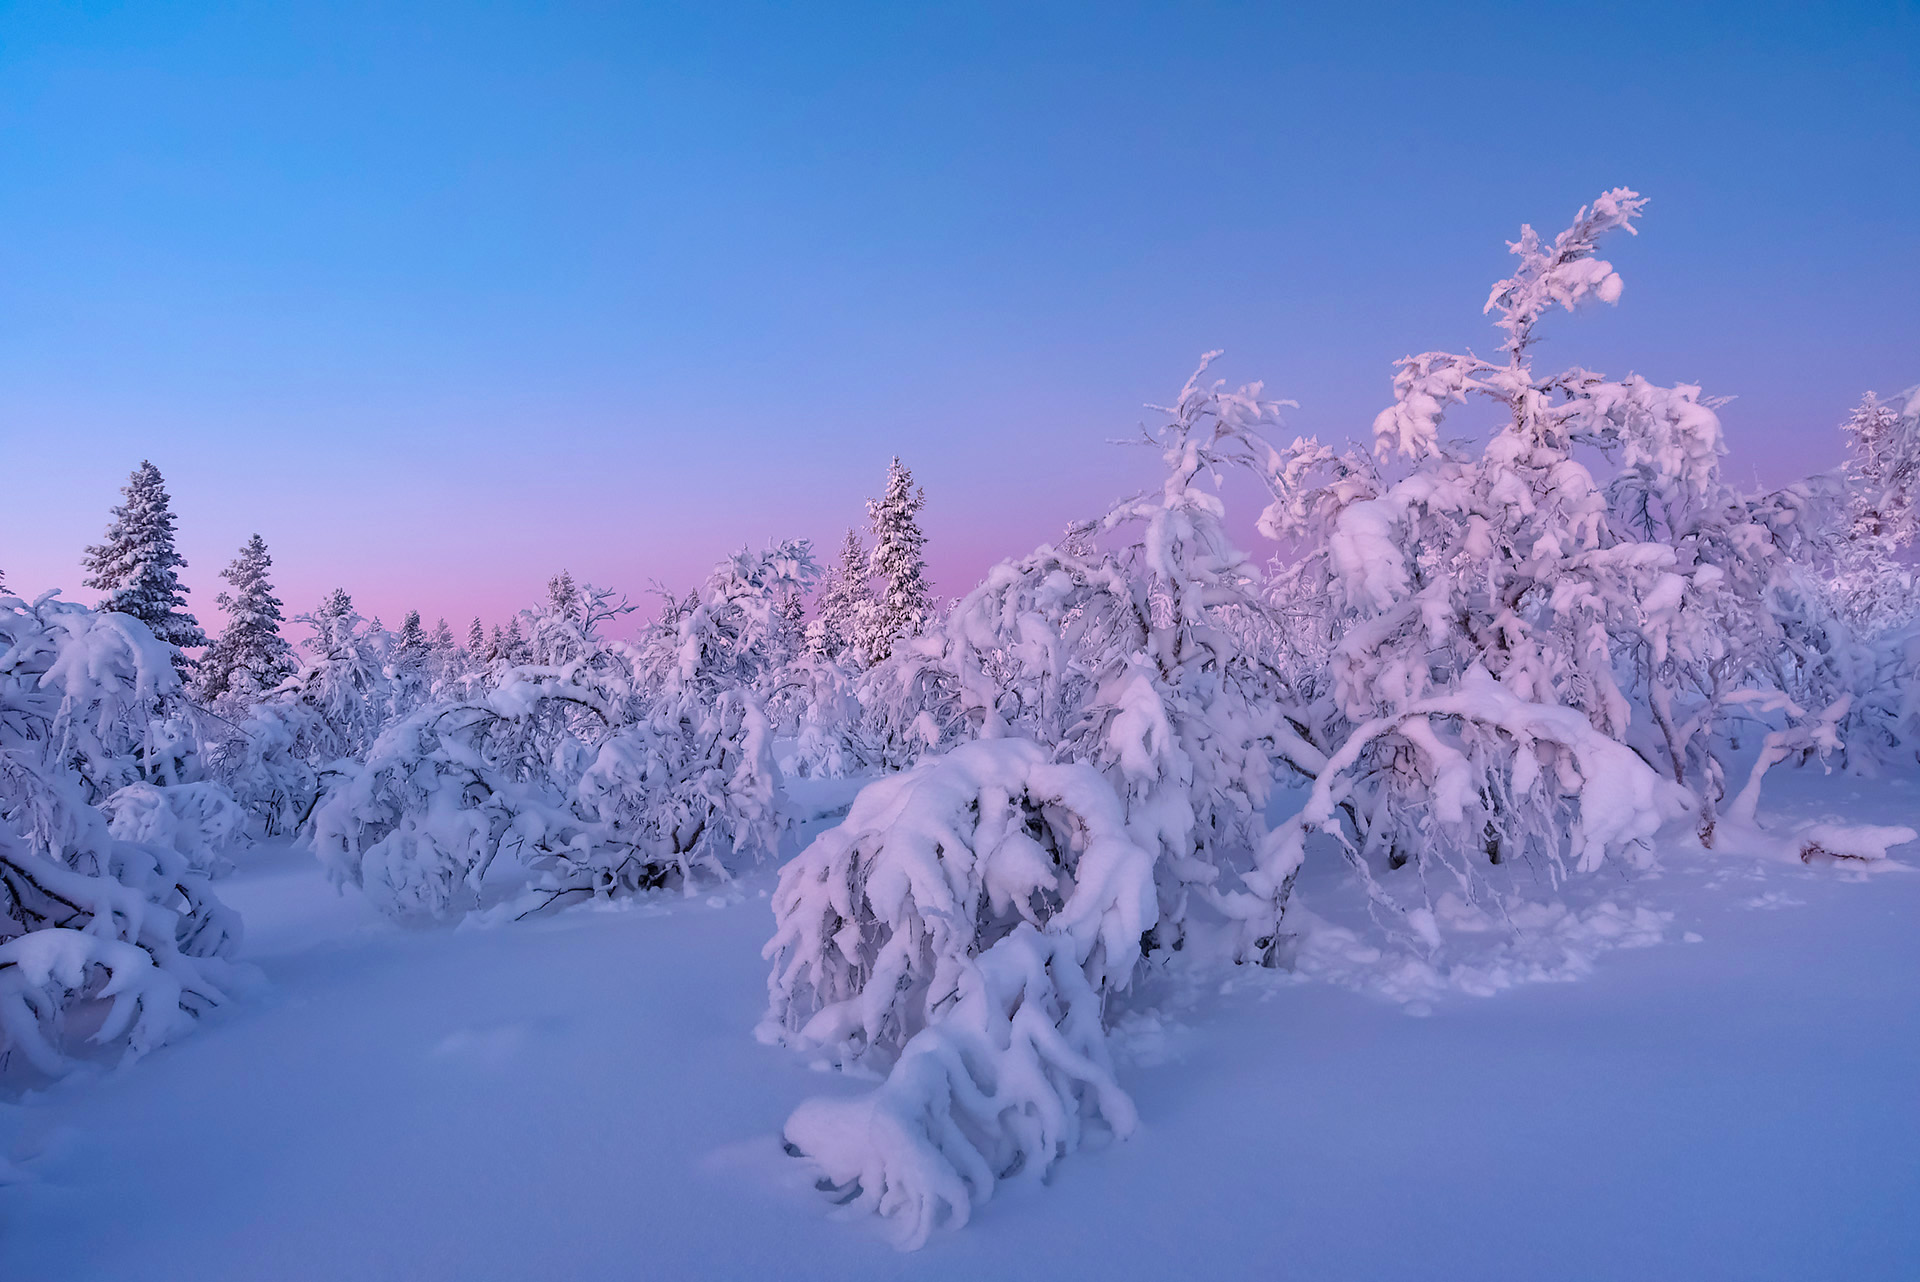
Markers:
961,929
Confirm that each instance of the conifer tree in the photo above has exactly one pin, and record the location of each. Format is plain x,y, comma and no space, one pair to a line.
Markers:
563,597
477,641
442,639
251,656
1885,471
410,643
905,603
136,564
844,598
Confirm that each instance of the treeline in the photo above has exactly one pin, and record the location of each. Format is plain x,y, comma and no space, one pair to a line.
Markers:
1486,666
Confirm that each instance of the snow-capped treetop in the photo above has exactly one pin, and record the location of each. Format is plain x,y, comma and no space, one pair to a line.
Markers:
733,634
251,656
1884,464
845,597
1567,274
335,605
905,603
562,596
136,563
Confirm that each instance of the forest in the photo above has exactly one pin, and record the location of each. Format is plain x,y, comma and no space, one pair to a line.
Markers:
1530,635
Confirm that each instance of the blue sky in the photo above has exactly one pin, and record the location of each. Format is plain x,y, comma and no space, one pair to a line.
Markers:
440,299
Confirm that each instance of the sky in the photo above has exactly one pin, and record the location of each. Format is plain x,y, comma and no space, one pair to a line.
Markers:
441,299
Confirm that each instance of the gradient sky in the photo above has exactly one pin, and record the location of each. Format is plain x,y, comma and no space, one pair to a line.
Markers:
440,299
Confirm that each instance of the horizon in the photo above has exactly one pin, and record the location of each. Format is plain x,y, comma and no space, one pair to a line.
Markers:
440,308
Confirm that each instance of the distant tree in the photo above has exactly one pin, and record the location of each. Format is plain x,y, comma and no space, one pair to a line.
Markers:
844,598
563,597
477,641
410,644
136,563
905,604
251,656
1884,473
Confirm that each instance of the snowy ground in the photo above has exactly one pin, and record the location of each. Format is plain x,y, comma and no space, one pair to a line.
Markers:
582,1098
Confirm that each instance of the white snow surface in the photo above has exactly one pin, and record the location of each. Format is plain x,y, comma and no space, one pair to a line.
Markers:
582,1097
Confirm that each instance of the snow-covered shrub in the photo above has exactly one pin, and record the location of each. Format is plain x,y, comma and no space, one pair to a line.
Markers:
107,940
418,824
306,734
612,769
961,929
1481,604
201,821
1141,647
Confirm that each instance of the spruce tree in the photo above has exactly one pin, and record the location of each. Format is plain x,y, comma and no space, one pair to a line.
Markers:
442,639
410,643
136,564
844,598
476,641
905,603
1884,470
563,598
251,656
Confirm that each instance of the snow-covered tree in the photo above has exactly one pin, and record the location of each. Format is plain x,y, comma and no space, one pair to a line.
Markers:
1884,467
410,643
118,941
601,768
251,656
309,730
960,931
137,566
904,605
845,598
1485,610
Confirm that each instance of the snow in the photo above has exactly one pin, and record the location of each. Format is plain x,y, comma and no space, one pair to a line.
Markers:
1433,761
553,1099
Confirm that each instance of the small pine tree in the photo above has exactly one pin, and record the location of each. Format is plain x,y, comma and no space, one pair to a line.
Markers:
1885,473
410,643
251,656
477,641
136,564
442,639
337,605
844,599
905,604
563,597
